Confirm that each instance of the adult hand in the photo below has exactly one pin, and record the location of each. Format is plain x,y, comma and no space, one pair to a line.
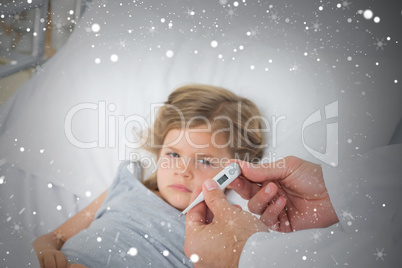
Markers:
217,243
299,182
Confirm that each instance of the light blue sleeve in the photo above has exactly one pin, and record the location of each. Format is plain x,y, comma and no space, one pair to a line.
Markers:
127,177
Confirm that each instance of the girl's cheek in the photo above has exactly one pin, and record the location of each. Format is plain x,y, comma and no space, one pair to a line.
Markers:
204,174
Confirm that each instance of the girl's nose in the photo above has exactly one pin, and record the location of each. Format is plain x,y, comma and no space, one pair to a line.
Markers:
184,169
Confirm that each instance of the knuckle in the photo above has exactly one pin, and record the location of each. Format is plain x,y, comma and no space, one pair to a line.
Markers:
255,208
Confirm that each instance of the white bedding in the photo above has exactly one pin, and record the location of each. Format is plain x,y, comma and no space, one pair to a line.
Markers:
142,51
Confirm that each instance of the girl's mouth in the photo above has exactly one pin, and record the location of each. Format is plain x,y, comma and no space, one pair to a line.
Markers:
180,187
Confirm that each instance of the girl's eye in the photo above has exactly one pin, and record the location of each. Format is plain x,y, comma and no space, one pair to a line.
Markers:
171,154
205,162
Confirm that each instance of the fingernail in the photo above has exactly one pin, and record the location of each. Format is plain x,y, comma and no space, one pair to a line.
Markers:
268,189
210,185
279,201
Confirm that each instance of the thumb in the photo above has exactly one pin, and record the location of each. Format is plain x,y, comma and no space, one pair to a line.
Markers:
196,215
214,197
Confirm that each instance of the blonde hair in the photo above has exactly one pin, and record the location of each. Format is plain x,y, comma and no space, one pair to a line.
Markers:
195,105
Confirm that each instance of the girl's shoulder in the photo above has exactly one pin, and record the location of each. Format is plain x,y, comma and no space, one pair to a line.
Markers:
134,168
129,173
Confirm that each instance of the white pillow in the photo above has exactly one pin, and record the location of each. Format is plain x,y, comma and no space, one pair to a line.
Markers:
122,58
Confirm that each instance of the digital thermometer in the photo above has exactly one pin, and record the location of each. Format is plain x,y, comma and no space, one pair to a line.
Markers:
223,179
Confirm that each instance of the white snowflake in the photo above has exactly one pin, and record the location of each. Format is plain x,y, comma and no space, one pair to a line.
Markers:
379,254
230,13
18,17
194,258
346,215
16,228
316,26
253,243
314,52
38,69
132,251
189,13
295,68
316,236
122,44
104,2
379,44
88,5
58,26
274,17
152,30
346,4
231,223
89,215
59,236
122,254
253,32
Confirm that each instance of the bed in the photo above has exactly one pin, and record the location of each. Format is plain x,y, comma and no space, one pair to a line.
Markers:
65,131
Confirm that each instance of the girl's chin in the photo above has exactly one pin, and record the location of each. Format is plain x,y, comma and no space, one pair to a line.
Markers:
180,203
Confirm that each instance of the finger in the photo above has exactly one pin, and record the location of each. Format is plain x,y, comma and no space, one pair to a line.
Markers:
49,260
245,188
246,184
238,206
284,222
41,260
259,202
271,214
209,216
197,215
270,171
61,260
215,198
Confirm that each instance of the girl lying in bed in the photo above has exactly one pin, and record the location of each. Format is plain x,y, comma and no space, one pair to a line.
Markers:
136,224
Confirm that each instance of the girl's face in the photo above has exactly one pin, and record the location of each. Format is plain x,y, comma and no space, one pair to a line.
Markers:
188,158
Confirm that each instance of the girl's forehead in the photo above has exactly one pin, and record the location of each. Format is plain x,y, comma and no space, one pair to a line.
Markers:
196,133
200,138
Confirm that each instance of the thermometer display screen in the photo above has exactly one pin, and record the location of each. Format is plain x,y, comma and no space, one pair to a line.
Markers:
222,179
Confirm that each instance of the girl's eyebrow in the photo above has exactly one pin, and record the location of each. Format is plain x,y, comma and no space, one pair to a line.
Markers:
170,148
173,148
198,154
